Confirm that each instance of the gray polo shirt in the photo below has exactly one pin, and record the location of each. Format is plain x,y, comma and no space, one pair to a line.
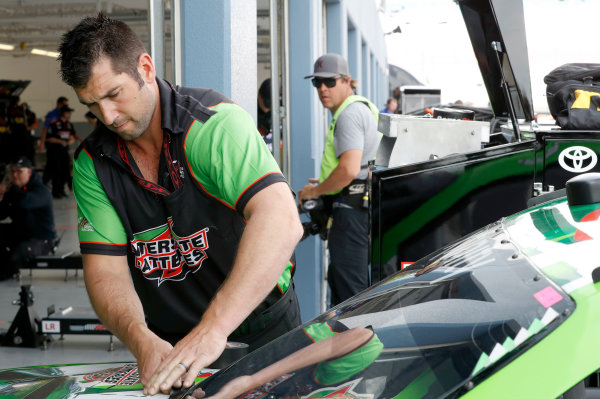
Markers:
356,129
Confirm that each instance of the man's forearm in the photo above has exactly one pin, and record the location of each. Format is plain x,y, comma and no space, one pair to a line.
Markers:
337,180
343,174
114,299
42,141
268,241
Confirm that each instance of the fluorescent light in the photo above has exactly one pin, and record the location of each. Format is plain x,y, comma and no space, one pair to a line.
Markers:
8,47
38,51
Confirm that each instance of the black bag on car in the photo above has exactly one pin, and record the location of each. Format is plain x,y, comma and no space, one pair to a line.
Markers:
573,94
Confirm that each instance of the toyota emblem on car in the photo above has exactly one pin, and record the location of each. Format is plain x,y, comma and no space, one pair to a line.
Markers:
577,159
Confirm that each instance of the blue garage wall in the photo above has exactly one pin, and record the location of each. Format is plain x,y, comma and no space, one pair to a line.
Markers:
219,48
307,121
352,30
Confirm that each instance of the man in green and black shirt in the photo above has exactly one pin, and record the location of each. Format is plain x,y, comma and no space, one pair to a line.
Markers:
186,224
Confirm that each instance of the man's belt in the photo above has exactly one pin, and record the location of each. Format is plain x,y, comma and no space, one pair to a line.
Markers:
355,194
261,317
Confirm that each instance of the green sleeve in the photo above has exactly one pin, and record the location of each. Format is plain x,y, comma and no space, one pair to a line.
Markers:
100,229
333,371
229,158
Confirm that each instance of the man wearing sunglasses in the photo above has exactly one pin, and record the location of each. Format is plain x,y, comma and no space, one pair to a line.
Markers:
352,141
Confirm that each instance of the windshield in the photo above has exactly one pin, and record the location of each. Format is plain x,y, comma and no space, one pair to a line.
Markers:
435,329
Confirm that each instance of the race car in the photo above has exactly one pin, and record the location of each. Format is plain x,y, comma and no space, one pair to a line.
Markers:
509,311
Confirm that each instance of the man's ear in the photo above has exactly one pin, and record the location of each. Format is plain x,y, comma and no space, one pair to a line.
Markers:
146,68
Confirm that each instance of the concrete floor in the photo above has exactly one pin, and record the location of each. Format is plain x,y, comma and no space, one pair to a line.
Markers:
49,287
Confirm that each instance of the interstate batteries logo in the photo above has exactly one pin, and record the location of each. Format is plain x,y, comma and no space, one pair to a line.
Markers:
161,255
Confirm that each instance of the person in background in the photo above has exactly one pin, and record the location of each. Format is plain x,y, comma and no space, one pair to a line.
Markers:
20,118
391,106
28,203
351,141
5,138
176,195
91,118
50,117
263,113
32,124
61,134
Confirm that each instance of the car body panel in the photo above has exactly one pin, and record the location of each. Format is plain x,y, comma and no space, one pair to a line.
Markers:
558,362
510,311
491,270
561,241
90,381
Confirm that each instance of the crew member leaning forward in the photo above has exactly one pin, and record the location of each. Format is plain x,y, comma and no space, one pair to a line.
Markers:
186,224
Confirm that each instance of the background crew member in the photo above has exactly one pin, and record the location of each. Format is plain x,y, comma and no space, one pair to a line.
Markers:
391,106
91,118
50,117
5,138
263,113
28,203
175,188
352,141
61,134
21,119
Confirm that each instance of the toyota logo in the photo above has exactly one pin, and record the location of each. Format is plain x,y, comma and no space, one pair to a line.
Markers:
577,159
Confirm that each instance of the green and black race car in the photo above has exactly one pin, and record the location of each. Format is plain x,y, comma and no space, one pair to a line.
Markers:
511,311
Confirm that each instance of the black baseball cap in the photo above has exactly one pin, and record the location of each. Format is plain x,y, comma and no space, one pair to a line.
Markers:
23,162
330,65
64,109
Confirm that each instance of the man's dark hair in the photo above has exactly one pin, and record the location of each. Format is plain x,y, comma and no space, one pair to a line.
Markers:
64,109
94,38
61,100
265,92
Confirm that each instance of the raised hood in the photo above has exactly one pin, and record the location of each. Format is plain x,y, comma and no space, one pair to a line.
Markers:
9,88
501,21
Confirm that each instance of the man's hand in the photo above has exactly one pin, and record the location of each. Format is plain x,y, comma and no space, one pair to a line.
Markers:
149,355
195,351
308,191
343,174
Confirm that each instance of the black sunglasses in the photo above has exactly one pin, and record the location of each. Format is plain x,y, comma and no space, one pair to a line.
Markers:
329,82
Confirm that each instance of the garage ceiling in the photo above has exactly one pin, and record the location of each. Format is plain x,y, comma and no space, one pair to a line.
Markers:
29,24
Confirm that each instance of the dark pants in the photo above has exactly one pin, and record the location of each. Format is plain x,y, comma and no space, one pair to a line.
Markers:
16,253
57,168
348,244
264,326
